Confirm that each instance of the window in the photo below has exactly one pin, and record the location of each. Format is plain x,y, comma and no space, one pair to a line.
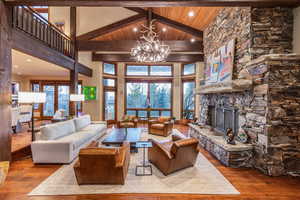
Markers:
109,82
42,10
136,95
188,99
160,95
136,70
109,68
149,70
148,99
189,69
160,71
57,96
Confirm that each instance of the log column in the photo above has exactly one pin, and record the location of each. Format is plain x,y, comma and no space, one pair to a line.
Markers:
5,82
73,73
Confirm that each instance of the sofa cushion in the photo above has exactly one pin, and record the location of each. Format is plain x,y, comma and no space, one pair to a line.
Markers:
94,128
77,139
57,130
82,122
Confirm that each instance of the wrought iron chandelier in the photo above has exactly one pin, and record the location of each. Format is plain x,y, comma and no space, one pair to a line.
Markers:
149,48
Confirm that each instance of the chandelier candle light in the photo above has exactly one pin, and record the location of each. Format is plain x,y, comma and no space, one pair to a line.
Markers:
149,48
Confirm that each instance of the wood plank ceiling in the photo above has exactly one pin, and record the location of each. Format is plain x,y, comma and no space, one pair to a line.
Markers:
203,16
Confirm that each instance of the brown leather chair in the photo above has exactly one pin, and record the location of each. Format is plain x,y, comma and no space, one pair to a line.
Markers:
174,155
161,126
103,165
128,121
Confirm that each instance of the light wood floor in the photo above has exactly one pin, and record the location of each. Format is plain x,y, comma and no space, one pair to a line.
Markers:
252,184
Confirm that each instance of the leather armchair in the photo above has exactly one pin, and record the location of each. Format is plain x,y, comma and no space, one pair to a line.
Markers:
173,155
103,165
128,121
161,126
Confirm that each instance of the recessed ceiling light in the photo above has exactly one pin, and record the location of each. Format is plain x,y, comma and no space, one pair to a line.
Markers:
191,14
135,29
192,39
28,60
164,29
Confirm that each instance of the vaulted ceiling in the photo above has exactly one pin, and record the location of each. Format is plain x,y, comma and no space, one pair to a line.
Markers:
203,16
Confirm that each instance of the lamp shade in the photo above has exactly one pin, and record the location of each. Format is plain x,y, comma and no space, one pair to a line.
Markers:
31,97
77,97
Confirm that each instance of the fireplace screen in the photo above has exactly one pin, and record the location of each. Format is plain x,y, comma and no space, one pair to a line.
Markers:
222,118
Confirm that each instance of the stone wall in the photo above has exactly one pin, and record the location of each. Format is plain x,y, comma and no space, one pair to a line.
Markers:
277,143
258,31
271,31
230,23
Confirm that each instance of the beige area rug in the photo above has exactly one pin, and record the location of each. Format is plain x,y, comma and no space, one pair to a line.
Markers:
203,178
3,171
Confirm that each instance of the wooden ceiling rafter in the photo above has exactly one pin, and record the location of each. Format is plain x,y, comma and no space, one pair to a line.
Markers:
111,27
126,45
128,58
156,3
169,22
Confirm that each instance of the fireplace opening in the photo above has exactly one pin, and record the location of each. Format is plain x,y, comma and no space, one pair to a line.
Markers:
222,118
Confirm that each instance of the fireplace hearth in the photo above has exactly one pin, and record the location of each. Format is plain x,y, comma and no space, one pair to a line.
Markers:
221,118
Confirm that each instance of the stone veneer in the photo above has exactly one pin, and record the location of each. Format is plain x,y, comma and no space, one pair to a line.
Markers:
270,126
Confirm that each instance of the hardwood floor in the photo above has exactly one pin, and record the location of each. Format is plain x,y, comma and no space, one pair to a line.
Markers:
252,184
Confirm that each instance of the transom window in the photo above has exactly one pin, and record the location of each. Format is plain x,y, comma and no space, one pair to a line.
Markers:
109,68
149,70
189,69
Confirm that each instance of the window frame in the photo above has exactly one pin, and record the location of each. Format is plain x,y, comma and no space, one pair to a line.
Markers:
184,80
149,69
55,83
148,110
115,67
182,69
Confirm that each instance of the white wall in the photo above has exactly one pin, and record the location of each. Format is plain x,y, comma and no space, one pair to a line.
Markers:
296,42
92,107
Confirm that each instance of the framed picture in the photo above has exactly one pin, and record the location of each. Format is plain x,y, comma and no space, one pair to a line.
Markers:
220,64
90,92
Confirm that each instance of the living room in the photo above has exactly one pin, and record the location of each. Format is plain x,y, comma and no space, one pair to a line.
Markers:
210,113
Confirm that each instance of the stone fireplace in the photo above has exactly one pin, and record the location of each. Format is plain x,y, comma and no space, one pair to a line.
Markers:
222,118
262,100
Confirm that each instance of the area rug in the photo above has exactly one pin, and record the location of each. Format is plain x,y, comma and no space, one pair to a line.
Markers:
203,178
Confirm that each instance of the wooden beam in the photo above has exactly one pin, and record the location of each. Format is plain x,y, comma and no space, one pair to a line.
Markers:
27,44
82,69
74,72
5,82
126,45
111,27
171,23
129,58
156,3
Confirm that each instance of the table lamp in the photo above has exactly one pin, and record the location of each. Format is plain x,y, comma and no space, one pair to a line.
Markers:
76,98
32,98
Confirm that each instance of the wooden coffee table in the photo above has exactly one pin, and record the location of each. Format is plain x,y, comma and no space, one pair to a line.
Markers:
119,135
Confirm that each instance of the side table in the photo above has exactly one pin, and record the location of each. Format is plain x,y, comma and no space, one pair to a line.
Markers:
143,145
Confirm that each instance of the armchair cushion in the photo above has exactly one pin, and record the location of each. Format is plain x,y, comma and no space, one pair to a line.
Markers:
163,119
158,126
126,124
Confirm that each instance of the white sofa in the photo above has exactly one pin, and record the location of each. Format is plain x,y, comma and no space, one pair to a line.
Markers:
61,142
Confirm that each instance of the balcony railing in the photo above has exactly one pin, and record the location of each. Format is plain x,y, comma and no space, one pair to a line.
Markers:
32,23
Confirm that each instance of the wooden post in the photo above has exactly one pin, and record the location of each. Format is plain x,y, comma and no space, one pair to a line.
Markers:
5,82
73,73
